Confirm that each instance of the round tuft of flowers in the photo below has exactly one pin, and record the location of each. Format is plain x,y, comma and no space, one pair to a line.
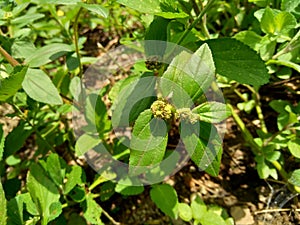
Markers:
162,109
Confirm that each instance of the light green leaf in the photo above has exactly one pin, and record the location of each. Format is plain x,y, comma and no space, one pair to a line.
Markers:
295,178
289,5
276,23
29,204
85,143
212,112
188,76
204,145
40,87
185,212
55,210
165,197
47,54
98,9
294,147
60,2
148,143
54,169
2,140
285,63
172,15
92,211
211,218
2,206
249,38
10,85
42,190
198,208
73,178
143,6
128,190
238,62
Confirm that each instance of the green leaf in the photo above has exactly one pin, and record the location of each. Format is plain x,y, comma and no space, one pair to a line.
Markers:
156,31
15,210
212,112
40,87
185,212
198,208
2,140
92,211
294,147
277,23
2,206
60,2
47,54
98,9
143,6
148,143
54,169
96,115
249,38
73,178
107,190
238,62
55,210
204,145
132,100
289,5
211,218
29,204
295,178
165,197
188,76
42,190
285,63
16,138
128,190
10,85
85,143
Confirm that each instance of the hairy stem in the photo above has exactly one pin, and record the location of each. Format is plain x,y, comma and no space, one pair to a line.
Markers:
76,37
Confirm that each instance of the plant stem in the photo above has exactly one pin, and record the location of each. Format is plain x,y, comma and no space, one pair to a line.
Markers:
288,48
258,109
98,181
110,218
76,42
8,57
194,23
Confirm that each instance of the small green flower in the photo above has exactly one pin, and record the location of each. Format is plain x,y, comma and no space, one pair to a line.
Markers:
162,109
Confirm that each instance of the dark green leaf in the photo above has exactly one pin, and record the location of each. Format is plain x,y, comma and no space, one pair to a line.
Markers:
78,194
42,190
204,145
98,9
148,143
40,87
128,190
15,211
238,62
165,197
2,206
107,190
156,31
10,85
